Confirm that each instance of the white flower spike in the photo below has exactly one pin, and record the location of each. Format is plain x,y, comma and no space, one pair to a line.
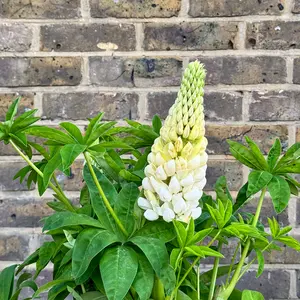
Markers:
175,176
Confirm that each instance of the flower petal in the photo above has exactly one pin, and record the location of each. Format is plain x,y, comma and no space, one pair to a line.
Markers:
160,173
174,185
151,215
144,203
147,184
170,167
168,214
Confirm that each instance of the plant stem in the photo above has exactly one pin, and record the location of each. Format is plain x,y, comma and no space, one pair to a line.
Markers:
214,238
232,262
83,289
56,183
101,192
198,282
227,292
214,275
57,191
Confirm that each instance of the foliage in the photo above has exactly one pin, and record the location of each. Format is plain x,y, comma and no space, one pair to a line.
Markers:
104,248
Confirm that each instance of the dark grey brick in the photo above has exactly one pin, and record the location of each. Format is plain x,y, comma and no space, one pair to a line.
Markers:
190,36
39,71
275,106
80,106
91,37
297,71
273,35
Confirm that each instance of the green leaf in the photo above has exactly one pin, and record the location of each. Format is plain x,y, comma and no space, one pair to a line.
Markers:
49,285
244,155
202,251
181,233
274,226
73,131
280,193
47,251
23,277
257,153
190,230
111,145
53,164
157,229
199,236
31,259
291,154
285,230
252,295
238,229
241,198
7,282
12,111
174,257
223,270
289,241
40,149
182,296
222,190
18,127
97,202
49,133
124,206
261,262
274,155
69,153
144,280
156,253
66,219
156,124
57,206
25,284
93,296
99,131
216,215
257,180
129,176
89,243
119,275
293,188
74,294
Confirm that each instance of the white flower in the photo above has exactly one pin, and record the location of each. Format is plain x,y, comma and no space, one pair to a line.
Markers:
178,203
147,184
170,167
144,203
174,185
149,170
193,195
165,195
167,213
151,215
159,160
196,212
160,173
187,181
201,184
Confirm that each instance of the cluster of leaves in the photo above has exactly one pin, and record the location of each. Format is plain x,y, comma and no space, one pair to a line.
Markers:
94,257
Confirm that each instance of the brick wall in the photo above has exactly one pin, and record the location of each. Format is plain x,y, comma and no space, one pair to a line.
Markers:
72,59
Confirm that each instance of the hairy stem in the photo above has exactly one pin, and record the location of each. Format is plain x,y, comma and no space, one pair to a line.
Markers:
227,292
57,191
214,274
101,192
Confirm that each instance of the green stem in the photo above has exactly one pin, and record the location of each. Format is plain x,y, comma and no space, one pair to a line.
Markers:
83,289
214,274
232,262
215,237
56,183
198,282
101,192
60,194
227,292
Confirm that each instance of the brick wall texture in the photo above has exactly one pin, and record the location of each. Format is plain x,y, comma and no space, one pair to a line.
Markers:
72,59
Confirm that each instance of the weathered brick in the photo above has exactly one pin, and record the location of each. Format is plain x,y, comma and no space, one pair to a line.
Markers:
244,70
296,8
40,9
268,212
297,71
74,182
39,71
15,37
7,171
223,106
219,106
190,36
91,37
80,106
216,8
273,35
273,284
14,246
135,9
275,106
7,99
263,135
22,212
130,72
232,171
298,205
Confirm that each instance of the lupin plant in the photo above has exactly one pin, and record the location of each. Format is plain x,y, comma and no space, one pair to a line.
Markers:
143,226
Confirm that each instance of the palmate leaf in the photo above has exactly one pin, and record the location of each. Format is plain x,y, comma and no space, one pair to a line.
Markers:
69,153
274,155
73,131
257,180
156,124
89,243
12,110
221,189
280,193
7,282
119,276
257,153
